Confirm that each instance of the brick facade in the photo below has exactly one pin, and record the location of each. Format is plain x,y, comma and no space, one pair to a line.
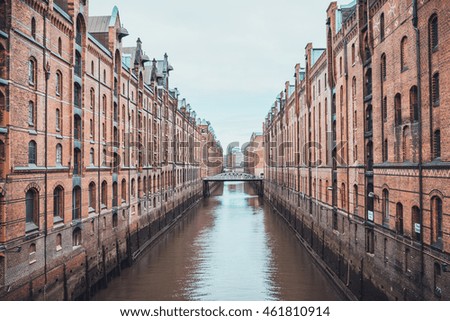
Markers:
97,153
355,149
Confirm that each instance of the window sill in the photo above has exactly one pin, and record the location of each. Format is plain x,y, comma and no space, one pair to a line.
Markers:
58,248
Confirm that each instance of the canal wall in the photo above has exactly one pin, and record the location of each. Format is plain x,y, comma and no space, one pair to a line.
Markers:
107,248
391,272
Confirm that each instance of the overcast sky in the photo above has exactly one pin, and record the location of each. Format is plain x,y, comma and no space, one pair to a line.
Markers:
231,58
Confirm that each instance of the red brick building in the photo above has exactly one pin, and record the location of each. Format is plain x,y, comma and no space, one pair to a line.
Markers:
356,150
97,153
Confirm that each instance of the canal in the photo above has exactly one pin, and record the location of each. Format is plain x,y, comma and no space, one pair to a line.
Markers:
229,247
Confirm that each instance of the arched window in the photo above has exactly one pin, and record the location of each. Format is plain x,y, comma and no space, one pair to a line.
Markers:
32,71
437,144
404,54
398,109
58,84
58,154
91,157
369,119
416,219
123,191
399,219
115,191
77,127
58,119
58,204
133,188
383,67
31,114
2,160
60,46
92,98
76,161
433,32
92,196
32,153
436,221
79,34
104,194
3,65
33,28
355,199
32,209
353,57
406,144
77,95
435,89
76,237
78,62
385,207
413,104
368,82
382,27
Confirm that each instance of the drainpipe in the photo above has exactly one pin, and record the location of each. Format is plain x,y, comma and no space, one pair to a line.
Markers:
419,108
47,77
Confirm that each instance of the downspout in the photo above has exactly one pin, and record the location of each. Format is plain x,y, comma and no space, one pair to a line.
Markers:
420,166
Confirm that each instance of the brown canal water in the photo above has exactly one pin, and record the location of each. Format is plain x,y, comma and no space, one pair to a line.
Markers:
231,247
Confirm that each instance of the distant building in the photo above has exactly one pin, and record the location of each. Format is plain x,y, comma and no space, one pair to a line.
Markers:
254,155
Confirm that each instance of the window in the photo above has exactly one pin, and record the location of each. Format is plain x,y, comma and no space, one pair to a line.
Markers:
31,113
58,242
385,150
124,190
77,162
368,82
32,209
91,157
399,219
369,120
355,199
60,46
437,144
33,28
3,64
406,144
58,204
436,221
79,36
91,128
398,109
104,194
133,188
58,154
404,53
413,104
104,104
77,95
385,207
433,31
382,26
353,54
32,71
115,191
92,198
58,85
76,237
92,68
343,195
78,61
104,158
3,15
92,98
32,157
383,67
370,241
76,203
104,75
77,127
384,109
2,162
58,120
435,89
416,228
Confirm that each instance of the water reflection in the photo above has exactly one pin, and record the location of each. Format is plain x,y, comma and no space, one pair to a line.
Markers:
231,248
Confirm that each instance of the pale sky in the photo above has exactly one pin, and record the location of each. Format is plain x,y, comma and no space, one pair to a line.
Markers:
231,58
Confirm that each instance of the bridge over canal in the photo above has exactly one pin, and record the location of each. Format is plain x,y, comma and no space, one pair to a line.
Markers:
233,177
